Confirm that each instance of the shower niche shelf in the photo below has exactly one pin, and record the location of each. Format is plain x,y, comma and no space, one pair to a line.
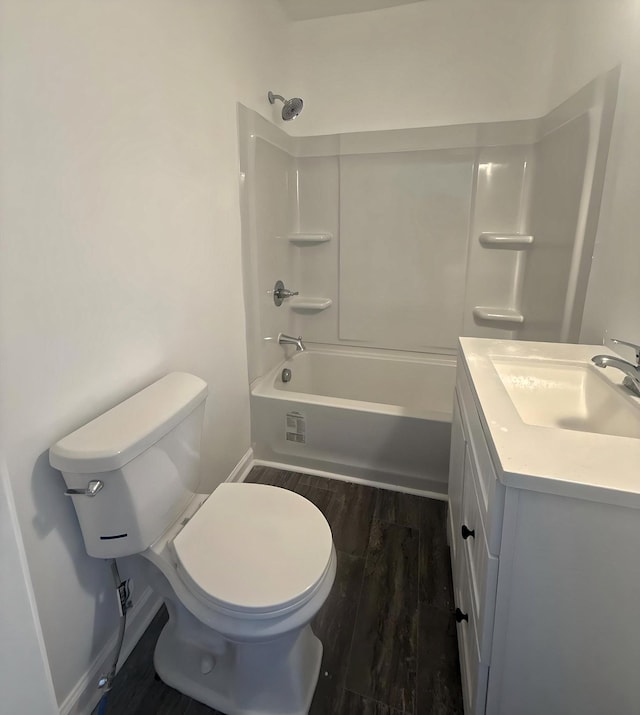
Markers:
305,239
310,305
506,240
508,316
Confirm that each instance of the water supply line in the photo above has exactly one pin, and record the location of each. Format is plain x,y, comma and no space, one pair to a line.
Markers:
124,604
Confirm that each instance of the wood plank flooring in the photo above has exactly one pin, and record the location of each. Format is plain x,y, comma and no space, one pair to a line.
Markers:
387,627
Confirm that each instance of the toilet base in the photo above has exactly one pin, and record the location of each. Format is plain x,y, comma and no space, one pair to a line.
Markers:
277,677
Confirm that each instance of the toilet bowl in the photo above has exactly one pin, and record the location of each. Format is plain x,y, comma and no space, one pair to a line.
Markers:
242,571
253,565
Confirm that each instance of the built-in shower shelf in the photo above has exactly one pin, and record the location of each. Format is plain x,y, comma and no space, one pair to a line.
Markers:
505,240
304,305
498,315
303,239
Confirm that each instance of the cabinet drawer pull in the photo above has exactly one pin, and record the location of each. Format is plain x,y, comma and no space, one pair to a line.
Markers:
460,616
466,532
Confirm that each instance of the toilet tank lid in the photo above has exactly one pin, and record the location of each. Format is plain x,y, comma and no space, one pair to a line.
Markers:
114,438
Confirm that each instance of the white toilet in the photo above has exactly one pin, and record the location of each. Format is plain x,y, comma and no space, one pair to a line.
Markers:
242,571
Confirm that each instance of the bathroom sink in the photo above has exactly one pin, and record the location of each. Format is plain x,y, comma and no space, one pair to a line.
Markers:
570,396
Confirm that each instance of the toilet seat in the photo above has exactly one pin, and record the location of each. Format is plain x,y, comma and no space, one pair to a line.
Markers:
254,551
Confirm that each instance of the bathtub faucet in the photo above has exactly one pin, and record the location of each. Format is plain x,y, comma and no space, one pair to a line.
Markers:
288,340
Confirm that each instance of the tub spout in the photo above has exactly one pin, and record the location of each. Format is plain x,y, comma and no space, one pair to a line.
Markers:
288,340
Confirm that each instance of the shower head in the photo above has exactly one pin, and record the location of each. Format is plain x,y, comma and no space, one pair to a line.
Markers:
292,107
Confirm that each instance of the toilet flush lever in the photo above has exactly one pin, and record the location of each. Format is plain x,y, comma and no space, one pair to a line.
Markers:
94,486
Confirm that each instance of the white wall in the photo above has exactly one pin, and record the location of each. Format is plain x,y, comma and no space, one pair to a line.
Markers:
25,681
591,35
404,235
438,63
558,187
500,205
275,218
120,244
380,197
269,211
449,61
423,64
317,265
612,299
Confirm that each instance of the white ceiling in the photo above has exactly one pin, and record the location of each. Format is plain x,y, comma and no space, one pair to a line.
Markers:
308,9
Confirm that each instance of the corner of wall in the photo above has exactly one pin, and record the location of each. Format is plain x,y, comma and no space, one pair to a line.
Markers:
85,695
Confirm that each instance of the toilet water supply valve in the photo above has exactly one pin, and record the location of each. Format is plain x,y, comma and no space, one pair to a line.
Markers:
123,591
124,597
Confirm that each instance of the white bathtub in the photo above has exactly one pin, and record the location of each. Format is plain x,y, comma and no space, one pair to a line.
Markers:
362,415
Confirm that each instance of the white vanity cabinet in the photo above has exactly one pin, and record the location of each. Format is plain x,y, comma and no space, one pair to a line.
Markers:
546,584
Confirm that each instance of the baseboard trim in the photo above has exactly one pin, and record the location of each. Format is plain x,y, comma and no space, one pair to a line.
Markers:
247,462
243,467
347,478
85,695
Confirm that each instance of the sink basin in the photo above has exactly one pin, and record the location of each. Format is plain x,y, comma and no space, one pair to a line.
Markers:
571,396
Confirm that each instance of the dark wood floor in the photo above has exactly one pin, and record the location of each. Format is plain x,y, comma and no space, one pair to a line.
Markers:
387,627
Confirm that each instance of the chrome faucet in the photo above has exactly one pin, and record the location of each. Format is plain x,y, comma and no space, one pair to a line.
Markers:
631,371
288,340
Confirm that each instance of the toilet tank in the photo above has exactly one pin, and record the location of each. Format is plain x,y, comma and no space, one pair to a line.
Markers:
146,454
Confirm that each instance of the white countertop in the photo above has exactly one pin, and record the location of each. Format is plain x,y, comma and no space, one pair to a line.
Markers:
567,462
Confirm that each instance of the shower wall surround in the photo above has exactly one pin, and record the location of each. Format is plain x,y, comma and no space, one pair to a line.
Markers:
404,226
406,239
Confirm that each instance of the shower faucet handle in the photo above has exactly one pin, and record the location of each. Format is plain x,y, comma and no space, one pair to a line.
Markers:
629,345
280,293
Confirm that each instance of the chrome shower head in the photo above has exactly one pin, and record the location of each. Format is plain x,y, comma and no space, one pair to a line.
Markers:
292,107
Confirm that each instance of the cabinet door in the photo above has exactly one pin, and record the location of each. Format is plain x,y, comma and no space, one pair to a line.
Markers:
456,479
473,672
